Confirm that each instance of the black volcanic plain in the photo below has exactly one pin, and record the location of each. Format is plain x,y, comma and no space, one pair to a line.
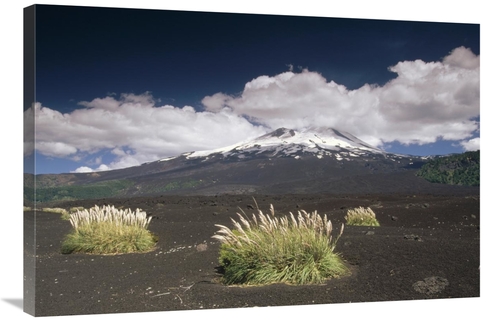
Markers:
426,248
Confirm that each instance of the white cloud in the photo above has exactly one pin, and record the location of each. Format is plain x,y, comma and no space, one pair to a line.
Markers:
86,169
134,130
83,169
463,58
470,145
426,101
103,167
55,149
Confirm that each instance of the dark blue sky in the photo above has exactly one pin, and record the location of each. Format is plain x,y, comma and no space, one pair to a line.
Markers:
84,53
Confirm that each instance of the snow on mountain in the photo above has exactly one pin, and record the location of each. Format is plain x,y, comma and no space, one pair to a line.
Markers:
317,141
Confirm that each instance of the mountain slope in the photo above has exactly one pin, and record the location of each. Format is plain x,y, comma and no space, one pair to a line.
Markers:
315,160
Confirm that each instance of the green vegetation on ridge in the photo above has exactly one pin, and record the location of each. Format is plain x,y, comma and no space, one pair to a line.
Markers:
73,192
176,185
461,169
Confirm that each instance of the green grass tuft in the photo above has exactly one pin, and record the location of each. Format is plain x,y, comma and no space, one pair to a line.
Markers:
267,249
361,217
108,230
56,210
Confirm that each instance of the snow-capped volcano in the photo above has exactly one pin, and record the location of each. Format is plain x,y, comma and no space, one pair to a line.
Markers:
314,160
283,142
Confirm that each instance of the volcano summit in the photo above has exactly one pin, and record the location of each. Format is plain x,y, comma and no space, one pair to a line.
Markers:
283,142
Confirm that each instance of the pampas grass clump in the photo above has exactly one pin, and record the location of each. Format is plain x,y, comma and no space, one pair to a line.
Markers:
76,209
292,249
64,213
361,216
55,210
108,230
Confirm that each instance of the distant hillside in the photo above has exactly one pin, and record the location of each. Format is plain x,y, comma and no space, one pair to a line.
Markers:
111,188
461,169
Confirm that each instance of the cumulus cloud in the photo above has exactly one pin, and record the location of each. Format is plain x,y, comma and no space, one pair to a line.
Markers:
83,169
134,130
425,102
463,58
56,149
471,144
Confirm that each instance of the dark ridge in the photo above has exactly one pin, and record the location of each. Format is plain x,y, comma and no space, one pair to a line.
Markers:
279,132
341,135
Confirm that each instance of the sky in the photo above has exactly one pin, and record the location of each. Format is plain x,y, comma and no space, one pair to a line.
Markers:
120,87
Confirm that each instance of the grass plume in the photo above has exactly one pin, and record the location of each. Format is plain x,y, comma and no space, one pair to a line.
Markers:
265,249
362,217
108,230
